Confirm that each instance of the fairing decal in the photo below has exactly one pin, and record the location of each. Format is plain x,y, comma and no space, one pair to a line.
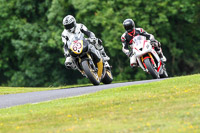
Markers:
77,47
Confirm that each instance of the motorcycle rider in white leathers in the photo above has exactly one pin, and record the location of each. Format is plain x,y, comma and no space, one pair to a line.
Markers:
127,39
95,45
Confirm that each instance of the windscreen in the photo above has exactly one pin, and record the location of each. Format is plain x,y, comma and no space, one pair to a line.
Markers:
138,39
75,37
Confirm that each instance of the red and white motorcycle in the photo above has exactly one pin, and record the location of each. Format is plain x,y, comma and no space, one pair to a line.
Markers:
147,58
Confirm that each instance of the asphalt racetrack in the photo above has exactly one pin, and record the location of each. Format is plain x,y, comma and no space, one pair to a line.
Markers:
35,97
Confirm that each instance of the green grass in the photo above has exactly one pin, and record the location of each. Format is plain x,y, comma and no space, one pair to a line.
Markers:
167,106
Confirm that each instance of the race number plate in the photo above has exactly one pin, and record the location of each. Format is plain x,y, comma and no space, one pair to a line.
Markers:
77,46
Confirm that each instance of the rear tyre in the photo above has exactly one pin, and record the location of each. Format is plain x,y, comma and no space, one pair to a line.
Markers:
108,78
151,69
91,74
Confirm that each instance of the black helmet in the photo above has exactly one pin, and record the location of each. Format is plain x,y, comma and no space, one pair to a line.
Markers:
129,25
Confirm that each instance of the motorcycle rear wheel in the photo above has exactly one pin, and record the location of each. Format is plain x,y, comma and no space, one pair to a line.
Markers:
108,78
151,69
92,76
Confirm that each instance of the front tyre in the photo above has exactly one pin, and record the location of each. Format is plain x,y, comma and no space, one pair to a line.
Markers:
151,69
108,78
91,74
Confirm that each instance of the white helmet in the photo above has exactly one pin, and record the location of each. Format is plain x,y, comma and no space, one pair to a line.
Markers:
69,23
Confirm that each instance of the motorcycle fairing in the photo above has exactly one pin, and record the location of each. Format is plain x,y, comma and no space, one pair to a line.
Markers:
140,49
77,46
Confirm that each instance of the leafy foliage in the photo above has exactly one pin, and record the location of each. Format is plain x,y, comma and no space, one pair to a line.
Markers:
31,52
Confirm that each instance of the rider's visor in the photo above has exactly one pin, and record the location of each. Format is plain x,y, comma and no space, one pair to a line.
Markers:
129,30
69,26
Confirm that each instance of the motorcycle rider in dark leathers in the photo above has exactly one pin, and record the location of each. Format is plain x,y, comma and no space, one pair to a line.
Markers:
127,39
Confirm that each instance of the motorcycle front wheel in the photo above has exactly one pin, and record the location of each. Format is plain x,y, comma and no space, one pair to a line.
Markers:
151,69
91,74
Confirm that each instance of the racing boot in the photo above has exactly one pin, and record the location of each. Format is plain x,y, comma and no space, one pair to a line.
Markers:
161,55
159,51
104,55
69,63
133,61
100,48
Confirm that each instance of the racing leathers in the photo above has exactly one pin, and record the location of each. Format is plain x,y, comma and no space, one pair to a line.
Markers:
127,39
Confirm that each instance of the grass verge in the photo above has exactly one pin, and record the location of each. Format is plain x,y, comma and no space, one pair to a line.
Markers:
171,105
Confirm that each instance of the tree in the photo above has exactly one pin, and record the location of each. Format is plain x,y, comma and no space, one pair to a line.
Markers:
31,50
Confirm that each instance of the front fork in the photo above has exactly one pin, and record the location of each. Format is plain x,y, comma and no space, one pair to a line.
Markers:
148,56
160,64
91,63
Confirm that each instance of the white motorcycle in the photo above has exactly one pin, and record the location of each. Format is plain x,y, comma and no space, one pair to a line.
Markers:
147,58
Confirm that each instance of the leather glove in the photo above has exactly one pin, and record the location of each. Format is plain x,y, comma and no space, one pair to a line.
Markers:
93,40
154,42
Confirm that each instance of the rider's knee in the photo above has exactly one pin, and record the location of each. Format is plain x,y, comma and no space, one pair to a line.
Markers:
69,63
133,61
